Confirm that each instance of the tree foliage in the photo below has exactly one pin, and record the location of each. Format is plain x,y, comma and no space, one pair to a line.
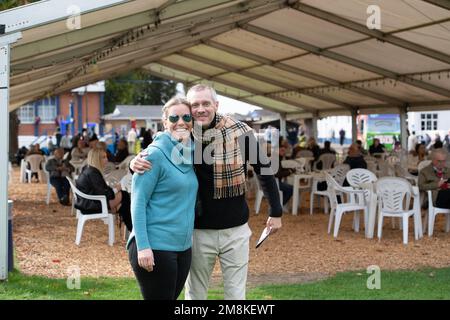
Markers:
8,4
137,87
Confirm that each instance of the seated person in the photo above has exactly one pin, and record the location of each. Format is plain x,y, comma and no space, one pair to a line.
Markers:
21,153
92,182
313,147
35,149
327,148
80,152
377,147
416,157
435,178
363,151
354,158
286,188
93,141
110,166
59,169
122,151
288,148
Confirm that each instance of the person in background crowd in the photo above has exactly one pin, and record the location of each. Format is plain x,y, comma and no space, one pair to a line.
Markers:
327,148
21,153
93,140
58,137
80,152
35,149
341,136
50,145
377,147
282,173
65,143
397,146
59,169
412,141
92,182
363,151
354,158
122,151
147,138
131,139
313,147
447,141
435,177
415,157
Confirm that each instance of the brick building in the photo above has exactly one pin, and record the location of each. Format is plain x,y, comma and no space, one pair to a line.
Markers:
72,111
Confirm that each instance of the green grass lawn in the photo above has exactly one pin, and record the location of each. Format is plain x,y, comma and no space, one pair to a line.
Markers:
422,284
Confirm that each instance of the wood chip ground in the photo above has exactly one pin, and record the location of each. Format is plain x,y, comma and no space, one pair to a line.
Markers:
44,240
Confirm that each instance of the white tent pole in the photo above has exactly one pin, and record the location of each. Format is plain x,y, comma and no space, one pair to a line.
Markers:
5,42
354,126
314,126
283,132
403,128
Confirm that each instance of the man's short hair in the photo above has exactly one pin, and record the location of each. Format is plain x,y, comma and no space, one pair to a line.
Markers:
437,152
201,87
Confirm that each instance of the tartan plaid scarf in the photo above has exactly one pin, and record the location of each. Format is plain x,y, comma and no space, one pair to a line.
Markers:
228,165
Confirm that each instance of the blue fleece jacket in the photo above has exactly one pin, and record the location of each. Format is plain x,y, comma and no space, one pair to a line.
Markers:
163,198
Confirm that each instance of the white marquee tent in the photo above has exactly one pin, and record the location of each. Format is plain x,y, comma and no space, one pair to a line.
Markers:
309,58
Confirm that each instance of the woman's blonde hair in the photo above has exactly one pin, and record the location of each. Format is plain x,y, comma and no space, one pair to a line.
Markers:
172,102
95,159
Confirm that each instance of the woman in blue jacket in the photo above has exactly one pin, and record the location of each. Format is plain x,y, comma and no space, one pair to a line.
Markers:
162,208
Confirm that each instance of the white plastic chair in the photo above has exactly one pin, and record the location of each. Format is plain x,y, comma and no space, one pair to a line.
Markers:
433,211
327,160
35,161
339,209
305,154
423,164
23,171
49,186
304,165
401,172
108,218
338,173
385,169
394,197
260,195
78,165
357,177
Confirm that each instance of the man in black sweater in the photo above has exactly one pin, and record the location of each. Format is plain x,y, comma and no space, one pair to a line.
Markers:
221,223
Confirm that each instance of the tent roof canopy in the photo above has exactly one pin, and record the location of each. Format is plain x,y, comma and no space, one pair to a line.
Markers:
304,58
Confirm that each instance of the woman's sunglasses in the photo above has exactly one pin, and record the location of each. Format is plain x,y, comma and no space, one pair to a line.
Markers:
186,118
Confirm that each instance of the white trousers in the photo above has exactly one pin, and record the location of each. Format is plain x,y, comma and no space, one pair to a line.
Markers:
231,246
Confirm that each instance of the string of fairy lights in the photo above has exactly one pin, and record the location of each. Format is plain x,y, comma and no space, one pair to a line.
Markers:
369,83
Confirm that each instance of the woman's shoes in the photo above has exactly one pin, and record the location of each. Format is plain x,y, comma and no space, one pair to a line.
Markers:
64,201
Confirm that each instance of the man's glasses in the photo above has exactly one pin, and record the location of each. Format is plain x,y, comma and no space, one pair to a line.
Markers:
186,118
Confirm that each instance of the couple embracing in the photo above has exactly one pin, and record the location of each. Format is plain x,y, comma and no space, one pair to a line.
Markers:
187,213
